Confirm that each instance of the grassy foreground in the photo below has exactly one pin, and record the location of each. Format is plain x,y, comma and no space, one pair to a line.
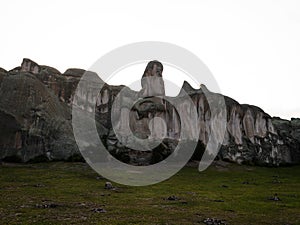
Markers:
72,193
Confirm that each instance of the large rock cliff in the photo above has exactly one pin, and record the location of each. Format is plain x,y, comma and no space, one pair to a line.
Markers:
35,122
35,109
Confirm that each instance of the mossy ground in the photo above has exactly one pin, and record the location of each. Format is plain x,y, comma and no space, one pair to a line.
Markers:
235,193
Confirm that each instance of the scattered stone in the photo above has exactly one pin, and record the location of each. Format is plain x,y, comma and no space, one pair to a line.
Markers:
218,200
99,210
45,206
212,221
173,198
275,198
108,186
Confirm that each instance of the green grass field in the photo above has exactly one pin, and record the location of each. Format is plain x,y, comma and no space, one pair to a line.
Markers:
69,193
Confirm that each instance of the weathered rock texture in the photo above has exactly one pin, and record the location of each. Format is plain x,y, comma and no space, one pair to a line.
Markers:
35,120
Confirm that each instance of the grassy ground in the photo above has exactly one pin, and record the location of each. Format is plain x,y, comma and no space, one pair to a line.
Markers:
69,193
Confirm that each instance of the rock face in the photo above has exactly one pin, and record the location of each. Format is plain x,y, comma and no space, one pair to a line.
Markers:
35,114
35,122
251,135
254,137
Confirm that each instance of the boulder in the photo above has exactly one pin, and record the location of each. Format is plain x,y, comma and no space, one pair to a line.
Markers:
35,124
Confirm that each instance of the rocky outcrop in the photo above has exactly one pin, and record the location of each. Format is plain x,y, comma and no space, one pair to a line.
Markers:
35,120
289,138
251,136
35,114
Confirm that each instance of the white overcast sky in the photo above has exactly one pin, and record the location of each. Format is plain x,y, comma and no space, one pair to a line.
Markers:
251,47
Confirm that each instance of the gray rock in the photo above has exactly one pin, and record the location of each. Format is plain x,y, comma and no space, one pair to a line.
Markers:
173,198
213,221
108,186
35,120
274,198
99,210
30,66
251,136
48,205
35,124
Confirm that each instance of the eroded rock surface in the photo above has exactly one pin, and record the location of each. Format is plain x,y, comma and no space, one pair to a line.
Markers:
251,136
35,120
35,114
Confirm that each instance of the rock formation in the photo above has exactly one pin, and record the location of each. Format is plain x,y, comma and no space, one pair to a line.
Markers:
35,122
35,113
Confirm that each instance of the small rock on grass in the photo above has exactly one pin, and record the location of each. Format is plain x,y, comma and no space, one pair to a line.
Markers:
218,200
45,206
212,221
275,198
99,210
108,186
173,198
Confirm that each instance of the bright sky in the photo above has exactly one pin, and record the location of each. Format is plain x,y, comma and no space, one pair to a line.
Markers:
251,47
